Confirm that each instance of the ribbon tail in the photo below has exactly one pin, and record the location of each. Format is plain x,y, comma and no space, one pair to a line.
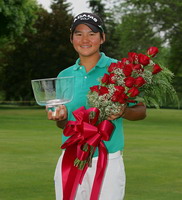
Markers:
70,174
101,168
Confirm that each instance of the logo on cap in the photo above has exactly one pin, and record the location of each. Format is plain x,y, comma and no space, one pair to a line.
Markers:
85,17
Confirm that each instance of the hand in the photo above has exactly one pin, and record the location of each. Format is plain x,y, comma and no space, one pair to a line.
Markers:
60,115
120,114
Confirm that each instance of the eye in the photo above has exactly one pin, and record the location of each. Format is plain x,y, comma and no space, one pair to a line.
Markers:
91,33
77,34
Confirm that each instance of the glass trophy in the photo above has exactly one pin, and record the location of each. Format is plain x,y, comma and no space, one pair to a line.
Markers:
52,92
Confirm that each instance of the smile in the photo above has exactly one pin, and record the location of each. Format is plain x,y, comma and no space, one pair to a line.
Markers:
85,46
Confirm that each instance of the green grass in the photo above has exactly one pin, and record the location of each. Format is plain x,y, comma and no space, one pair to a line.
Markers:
29,149
153,152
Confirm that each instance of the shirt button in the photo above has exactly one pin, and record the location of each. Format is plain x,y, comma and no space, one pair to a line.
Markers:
80,67
85,77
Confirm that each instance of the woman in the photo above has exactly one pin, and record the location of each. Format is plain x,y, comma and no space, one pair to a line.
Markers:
87,35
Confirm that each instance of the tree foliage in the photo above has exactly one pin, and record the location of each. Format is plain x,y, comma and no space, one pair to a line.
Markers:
17,16
135,34
43,55
164,17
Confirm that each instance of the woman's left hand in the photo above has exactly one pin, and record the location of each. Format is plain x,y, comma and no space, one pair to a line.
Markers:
120,114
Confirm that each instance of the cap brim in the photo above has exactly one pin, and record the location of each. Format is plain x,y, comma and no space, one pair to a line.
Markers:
95,29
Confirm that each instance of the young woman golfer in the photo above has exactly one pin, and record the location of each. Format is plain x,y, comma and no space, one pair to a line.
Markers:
87,35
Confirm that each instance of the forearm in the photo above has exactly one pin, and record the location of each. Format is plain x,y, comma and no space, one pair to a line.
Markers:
136,112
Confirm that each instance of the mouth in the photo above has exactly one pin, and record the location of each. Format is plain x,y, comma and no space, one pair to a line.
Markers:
85,46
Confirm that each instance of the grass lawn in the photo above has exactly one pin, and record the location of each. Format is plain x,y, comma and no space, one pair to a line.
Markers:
153,152
29,149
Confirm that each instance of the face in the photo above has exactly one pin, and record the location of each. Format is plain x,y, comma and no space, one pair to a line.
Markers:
86,42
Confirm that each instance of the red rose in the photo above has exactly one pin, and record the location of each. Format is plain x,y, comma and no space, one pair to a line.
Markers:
103,90
112,79
138,67
124,60
139,81
123,98
105,79
119,88
120,65
119,97
95,88
156,69
115,96
152,51
129,81
143,59
133,57
133,92
127,69
112,67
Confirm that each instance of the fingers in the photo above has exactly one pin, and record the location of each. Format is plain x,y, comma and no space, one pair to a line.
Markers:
112,117
59,114
120,114
49,114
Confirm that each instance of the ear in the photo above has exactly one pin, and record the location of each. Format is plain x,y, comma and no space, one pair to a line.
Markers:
71,39
103,38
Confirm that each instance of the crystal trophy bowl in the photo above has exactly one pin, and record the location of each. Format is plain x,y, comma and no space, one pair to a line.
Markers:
52,92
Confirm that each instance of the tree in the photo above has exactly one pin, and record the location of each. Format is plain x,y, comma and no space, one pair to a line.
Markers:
135,34
17,16
164,17
43,55
98,8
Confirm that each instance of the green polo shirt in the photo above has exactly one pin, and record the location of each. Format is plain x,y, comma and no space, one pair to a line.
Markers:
83,81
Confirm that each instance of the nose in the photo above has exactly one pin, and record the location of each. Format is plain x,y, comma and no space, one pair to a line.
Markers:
85,38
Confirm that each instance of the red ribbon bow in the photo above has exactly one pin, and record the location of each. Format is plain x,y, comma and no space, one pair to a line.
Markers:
84,131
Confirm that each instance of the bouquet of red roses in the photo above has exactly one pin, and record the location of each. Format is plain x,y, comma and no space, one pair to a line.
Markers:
135,78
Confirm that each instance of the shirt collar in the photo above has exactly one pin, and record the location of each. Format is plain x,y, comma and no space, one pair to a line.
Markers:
102,62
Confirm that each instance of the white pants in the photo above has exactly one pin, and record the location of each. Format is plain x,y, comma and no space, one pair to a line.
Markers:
113,187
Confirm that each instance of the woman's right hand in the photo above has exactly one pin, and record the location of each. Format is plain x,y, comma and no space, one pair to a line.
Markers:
60,115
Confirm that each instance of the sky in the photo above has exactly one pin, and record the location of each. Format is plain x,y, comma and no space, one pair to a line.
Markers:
78,5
